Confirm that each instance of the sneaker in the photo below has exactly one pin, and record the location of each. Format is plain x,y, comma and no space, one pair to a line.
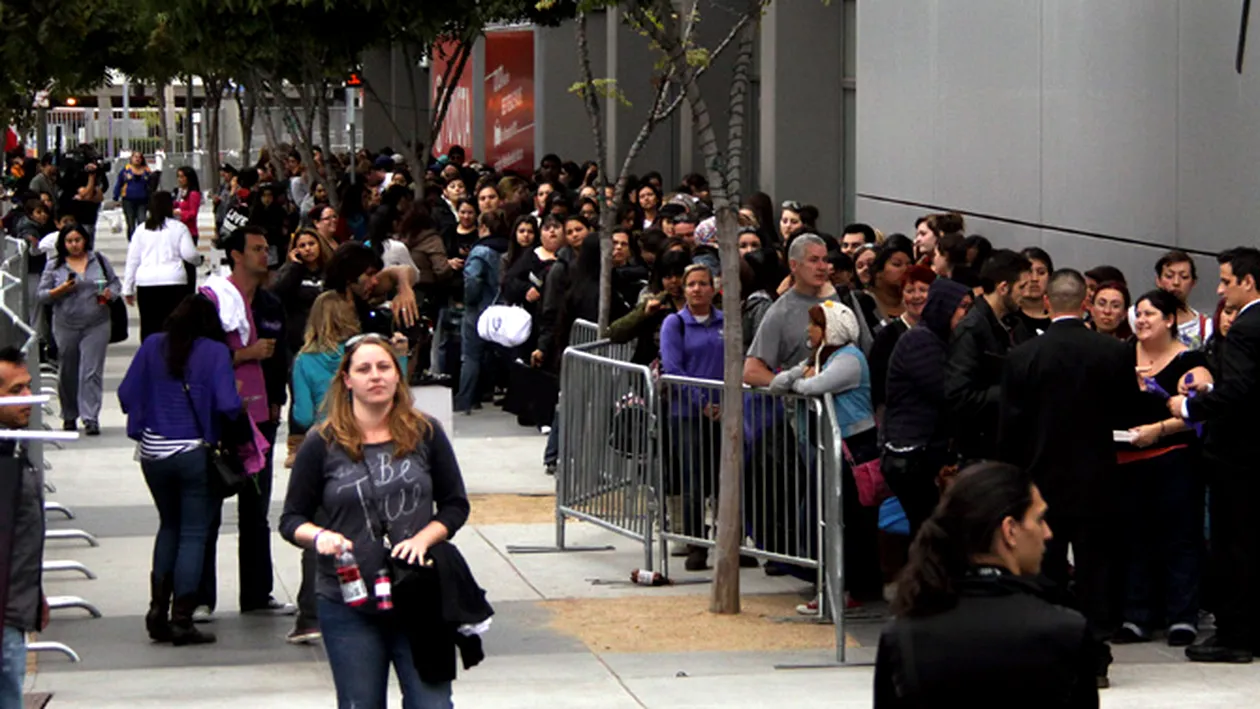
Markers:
203,614
272,607
1182,635
810,608
549,469
1130,633
545,430
91,428
303,636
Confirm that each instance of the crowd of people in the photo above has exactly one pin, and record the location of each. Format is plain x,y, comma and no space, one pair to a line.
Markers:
939,350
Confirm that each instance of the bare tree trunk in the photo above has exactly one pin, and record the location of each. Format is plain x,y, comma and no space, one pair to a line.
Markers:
247,111
325,118
164,128
214,102
725,597
740,80
607,214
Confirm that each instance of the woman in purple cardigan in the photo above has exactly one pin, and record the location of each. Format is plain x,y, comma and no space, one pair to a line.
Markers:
691,346
176,390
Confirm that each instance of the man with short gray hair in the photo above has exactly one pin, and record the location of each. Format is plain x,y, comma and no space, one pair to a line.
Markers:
781,342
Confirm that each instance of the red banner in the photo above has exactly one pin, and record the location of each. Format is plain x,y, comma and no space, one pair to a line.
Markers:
510,100
457,127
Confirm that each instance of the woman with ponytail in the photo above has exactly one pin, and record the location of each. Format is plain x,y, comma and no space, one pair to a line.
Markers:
973,625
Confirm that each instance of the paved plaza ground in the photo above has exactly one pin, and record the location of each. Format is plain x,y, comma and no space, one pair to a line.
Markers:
562,636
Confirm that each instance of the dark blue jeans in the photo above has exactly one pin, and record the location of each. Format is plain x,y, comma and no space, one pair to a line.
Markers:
361,647
181,491
1164,498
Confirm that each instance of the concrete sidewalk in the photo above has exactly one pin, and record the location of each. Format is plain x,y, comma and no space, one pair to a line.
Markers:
531,661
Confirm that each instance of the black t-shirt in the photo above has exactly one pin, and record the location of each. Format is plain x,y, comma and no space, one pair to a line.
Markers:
1034,326
1152,406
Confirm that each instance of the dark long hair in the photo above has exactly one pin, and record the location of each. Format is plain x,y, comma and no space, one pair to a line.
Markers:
515,250
194,184
963,526
194,317
161,208
67,230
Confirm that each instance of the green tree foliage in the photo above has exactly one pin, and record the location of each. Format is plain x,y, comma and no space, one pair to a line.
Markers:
60,46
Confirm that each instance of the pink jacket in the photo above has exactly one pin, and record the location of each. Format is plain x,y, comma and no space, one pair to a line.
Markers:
188,208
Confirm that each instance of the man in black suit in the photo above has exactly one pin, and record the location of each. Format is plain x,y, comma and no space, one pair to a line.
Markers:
1063,394
977,353
1233,419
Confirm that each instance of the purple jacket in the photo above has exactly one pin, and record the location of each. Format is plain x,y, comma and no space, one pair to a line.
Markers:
691,349
155,400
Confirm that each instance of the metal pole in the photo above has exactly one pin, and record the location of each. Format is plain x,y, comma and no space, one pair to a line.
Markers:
350,129
41,130
126,134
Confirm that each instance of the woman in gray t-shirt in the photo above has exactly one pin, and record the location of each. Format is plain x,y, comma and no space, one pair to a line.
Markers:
387,480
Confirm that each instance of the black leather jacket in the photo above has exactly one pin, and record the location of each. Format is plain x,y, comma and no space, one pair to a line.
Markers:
973,378
1007,642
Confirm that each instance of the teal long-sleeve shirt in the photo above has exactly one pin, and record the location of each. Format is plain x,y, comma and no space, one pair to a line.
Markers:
313,373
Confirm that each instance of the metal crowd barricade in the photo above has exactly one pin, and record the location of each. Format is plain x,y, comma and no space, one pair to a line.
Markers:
585,332
782,469
15,307
641,458
607,458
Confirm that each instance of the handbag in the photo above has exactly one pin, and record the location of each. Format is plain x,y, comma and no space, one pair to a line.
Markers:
506,325
225,472
117,308
869,476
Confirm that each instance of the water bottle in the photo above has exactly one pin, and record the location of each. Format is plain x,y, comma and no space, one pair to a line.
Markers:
644,577
384,598
353,590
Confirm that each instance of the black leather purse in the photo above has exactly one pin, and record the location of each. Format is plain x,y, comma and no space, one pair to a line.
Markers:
225,471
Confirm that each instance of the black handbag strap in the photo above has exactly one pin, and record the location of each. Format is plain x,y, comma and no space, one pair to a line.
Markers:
197,419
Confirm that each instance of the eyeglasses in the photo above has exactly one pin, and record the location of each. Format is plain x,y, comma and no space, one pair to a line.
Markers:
792,205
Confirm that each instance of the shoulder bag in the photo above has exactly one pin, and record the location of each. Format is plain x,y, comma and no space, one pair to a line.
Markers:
117,308
225,472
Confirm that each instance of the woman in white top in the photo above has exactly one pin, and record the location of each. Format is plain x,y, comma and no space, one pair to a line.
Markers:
155,274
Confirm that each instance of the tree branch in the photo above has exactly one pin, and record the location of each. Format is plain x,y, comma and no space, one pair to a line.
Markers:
448,89
744,20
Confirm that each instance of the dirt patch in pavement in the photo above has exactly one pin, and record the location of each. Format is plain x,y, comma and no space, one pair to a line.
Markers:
512,509
684,624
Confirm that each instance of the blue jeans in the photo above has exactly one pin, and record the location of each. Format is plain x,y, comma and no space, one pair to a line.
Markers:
181,491
360,648
13,669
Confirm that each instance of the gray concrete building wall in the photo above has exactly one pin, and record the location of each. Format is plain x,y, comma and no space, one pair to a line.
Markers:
801,155
1103,132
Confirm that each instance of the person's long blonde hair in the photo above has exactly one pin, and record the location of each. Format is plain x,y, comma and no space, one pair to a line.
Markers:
326,247
332,321
407,427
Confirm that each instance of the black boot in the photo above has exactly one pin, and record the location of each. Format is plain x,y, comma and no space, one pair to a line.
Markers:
158,619
183,632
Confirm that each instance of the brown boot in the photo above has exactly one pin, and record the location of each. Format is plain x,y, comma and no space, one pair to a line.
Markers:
294,442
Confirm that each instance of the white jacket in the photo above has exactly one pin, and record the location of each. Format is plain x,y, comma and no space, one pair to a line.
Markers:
156,258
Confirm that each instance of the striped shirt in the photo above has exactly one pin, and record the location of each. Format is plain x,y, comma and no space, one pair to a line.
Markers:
155,447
